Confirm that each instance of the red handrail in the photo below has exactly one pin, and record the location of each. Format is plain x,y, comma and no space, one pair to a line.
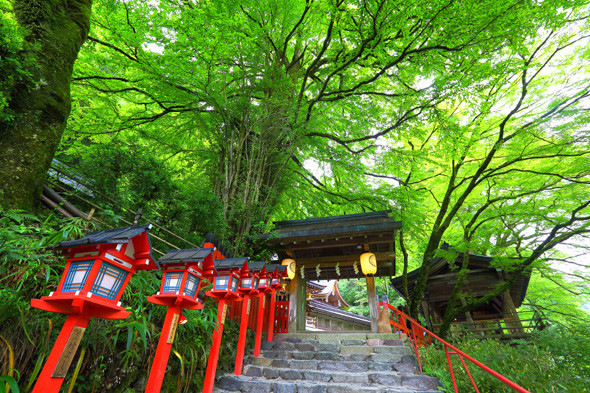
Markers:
421,337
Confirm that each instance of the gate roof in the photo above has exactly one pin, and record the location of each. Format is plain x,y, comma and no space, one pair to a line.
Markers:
337,241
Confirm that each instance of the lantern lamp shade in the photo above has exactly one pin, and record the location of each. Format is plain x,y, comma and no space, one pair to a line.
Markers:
369,264
246,283
234,283
172,282
192,285
109,281
255,283
77,276
291,267
222,282
262,282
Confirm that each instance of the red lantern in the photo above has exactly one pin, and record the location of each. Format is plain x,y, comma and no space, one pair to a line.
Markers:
225,288
98,269
182,277
227,282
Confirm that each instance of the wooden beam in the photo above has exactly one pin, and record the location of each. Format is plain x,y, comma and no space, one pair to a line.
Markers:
301,304
511,315
292,303
467,313
373,304
342,259
341,242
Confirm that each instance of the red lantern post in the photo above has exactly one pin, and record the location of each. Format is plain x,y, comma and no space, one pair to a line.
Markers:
181,280
250,279
264,287
225,288
98,268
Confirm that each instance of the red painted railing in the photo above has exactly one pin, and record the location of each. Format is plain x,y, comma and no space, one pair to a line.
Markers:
281,313
421,337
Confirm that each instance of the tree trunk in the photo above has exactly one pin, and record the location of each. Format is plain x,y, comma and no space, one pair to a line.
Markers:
59,27
405,271
454,299
421,281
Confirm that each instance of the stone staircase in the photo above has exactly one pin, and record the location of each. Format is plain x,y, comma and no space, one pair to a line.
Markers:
331,363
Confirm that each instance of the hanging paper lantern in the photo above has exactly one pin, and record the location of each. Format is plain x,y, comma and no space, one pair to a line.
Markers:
369,264
291,268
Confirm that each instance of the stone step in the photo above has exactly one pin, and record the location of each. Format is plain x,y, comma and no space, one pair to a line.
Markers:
328,352
331,363
387,378
406,364
342,338
314,345
408,383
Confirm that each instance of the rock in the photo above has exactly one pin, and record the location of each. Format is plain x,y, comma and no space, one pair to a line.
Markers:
328,347
252,371
271,373
290,374
318,376
303,355
327,356
353,342
388,379
283,387
265,345
311,388
393,342
228,383
420,382
366,350
305,347
373,342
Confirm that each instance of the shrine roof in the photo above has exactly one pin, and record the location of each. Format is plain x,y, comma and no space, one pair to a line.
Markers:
336,225
482,275
114,235
327,309
178,257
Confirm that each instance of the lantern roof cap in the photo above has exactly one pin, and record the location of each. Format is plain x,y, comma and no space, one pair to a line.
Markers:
185,257
113,235
256,266
230,263
274,267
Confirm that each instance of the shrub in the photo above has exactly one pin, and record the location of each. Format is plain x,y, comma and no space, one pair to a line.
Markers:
115,356
554,360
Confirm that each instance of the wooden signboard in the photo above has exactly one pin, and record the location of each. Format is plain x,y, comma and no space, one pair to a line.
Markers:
172,332
223,314
63,364
248,310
